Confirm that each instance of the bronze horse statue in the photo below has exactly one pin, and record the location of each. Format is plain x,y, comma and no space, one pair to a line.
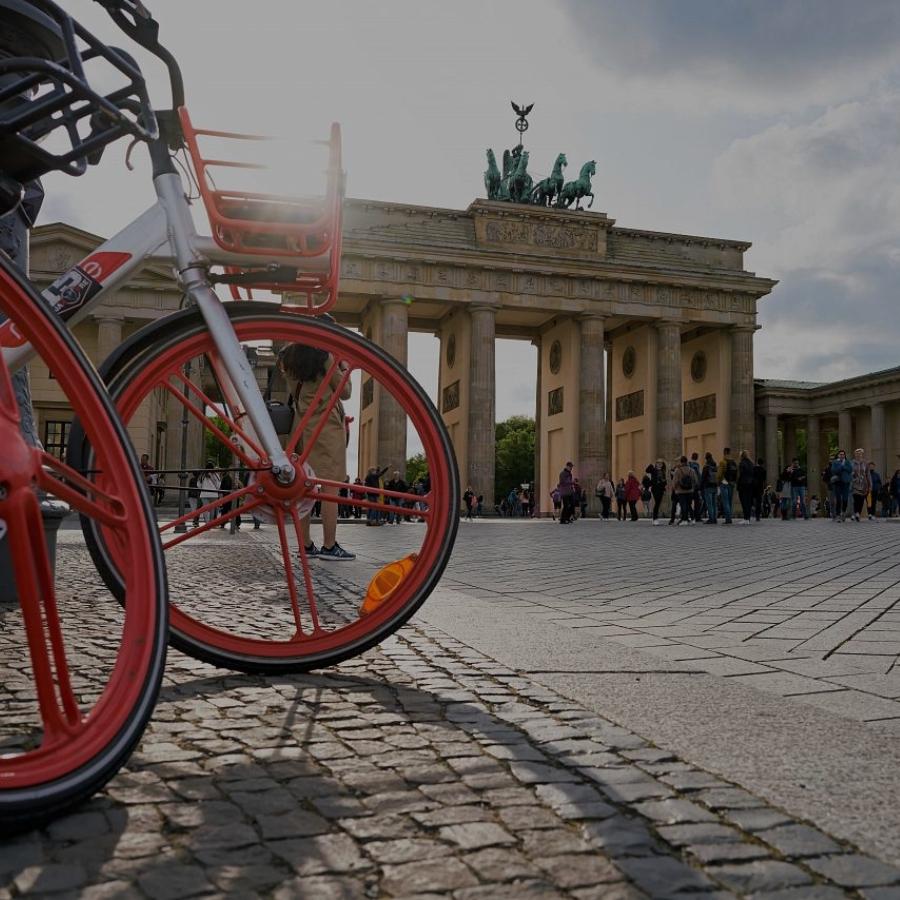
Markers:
544,191
492,177
520,181
575,191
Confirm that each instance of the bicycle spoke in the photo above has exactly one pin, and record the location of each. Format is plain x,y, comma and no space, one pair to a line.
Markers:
307,574
59,710
231,402
346,501
211,426
206,526
67,490
289,569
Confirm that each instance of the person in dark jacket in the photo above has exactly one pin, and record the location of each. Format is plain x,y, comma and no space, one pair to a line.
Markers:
798,488
759,486
373,480
709,484
875,483
659,481
745,485
841,472
566,488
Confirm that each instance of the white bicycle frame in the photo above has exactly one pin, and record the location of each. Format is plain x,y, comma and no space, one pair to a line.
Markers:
166,229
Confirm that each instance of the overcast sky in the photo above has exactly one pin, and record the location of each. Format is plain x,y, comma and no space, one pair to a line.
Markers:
773,121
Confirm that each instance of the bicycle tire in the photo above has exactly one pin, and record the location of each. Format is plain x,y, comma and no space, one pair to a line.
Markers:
139,367
41,780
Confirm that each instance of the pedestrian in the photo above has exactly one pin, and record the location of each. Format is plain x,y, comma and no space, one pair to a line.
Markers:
697,499
557,503
582,499
745,485
373,480
208,484
895,492
357,493
469,503
685,483
396,483
659,482
620,500
798,489
759,486
783,486
604,492
709,484
841,473
566,487
728,471
305,368
632,494
194,495
875,492
226,486
859,481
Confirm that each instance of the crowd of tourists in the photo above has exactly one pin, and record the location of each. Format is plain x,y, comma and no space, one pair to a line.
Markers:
735,489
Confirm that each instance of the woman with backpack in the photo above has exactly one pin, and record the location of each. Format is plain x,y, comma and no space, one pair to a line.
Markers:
632,495
684,483
709,485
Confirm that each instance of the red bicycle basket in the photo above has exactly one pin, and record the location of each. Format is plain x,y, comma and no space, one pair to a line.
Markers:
273,226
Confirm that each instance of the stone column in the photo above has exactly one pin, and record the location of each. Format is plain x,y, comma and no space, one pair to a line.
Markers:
592,459
742,414
391,417
669,411
845,432
813,455
771,448
482,424
789,429
878,448
609,407
109,335
538,434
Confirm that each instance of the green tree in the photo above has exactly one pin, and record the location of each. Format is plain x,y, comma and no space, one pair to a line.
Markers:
514,460
213,446
416,467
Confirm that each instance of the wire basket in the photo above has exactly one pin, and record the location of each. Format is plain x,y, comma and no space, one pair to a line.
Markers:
299,237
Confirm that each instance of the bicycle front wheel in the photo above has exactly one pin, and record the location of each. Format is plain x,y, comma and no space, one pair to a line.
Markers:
259,600
79,674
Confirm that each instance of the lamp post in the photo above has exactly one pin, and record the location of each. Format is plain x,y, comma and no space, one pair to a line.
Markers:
181,527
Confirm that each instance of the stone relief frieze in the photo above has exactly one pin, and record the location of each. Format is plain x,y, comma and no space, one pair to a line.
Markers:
563,238
555,402
700,409
350,268
508,232
629,406
450,397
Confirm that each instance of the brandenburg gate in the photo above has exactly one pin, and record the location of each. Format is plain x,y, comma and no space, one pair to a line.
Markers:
644,338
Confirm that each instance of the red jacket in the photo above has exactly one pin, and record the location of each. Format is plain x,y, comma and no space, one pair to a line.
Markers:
632,489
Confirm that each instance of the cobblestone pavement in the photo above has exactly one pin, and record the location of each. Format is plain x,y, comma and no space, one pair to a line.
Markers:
429,769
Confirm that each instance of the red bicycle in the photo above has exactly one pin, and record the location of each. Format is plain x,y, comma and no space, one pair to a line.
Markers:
281,605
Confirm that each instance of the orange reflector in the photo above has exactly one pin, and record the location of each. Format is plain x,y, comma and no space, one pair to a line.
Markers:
386,581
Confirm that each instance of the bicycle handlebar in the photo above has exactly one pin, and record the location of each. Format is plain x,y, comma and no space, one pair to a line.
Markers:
137,22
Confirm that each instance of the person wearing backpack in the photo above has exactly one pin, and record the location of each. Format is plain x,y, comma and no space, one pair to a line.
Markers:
659,481
709,484
604,492
727,475
841,474
684,483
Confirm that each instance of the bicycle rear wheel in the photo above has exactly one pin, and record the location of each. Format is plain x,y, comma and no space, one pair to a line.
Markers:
279,609
79,674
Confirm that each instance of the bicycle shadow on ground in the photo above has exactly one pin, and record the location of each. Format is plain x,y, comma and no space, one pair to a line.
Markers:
245,783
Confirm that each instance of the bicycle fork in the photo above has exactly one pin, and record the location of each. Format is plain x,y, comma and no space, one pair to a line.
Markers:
236,379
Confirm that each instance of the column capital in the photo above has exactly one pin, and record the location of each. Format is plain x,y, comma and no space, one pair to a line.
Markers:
108,317
484,306
392,301
591,316
659,324
744,329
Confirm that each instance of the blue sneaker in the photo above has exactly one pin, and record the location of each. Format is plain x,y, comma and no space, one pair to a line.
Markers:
312,551
336,552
